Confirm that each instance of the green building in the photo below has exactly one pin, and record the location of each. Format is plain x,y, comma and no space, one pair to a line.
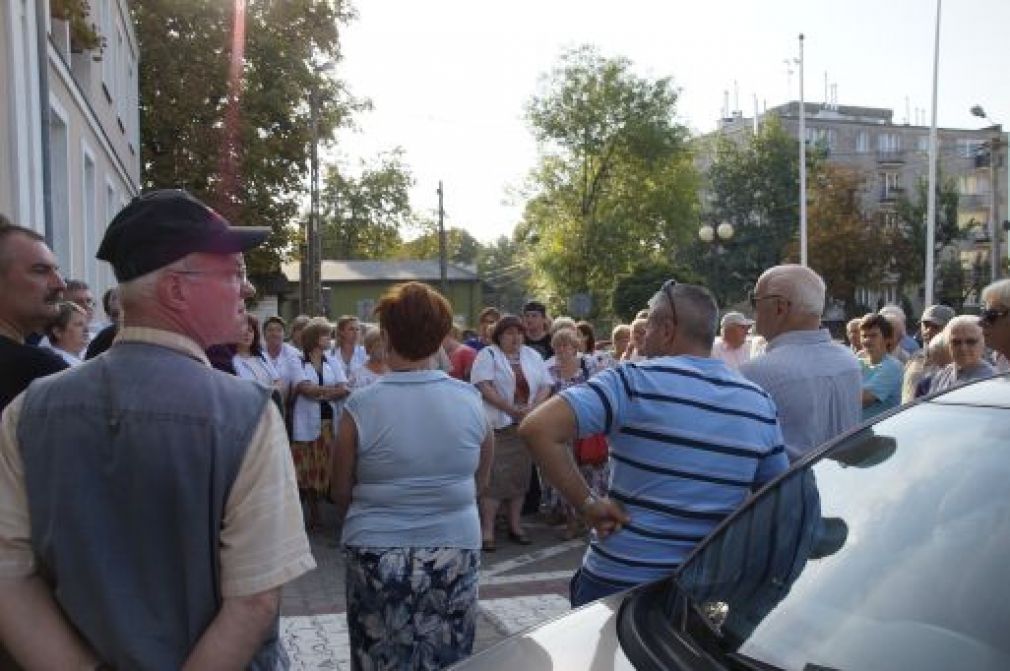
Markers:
354,287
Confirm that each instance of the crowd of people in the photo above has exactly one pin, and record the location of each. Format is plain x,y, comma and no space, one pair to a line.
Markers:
159,472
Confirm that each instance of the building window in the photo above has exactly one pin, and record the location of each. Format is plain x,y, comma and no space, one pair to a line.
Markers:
862,142
88,214
968,147
923,143
888,143
59,164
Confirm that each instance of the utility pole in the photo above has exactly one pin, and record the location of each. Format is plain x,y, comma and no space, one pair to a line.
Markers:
994,227
443,261
931,188
803,165
312,303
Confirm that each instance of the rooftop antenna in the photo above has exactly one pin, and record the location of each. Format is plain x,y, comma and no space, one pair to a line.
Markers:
827,98
907,113
756,117
736,97
725,104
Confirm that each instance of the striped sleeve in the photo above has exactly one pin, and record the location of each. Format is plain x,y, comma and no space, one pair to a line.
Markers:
597,404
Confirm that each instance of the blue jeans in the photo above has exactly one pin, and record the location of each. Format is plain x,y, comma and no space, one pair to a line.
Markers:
585,588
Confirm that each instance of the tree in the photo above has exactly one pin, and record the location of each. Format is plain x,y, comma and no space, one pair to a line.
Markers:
614,185
846,247
634,290
502,268
363,216
461,247
753,185
954,281
242,143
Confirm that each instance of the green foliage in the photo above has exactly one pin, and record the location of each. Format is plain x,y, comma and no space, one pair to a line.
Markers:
633,291
845,247
362,217
615,185
83,34
261,179
910,245
461,247
753,185
502,266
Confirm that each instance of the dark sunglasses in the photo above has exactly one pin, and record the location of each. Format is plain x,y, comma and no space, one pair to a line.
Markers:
668,292
991,315
957,342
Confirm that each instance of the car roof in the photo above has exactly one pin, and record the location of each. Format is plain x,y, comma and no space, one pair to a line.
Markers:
992,392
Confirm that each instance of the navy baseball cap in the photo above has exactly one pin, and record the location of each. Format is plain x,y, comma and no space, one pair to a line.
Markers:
160,227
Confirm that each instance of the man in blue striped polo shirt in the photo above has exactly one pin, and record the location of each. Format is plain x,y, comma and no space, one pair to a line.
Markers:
689,440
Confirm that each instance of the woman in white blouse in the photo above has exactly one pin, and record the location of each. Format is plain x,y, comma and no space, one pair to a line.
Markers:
315,411
250,362
68,332
512,380
375,367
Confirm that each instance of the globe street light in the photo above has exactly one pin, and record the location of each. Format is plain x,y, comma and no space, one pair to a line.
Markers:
723,231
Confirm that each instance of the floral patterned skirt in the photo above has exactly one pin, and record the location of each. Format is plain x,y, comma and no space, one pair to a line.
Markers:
410,608
312,460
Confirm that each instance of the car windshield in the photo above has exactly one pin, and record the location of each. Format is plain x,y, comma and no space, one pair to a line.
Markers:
891,552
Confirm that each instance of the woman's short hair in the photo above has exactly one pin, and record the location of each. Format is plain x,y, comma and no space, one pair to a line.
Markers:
415,319
559,323
565,337
275,320
300,322
586,329
877,321
344,320
937,352
256,347
968,322
372,339
619,330
998,293
489,311
506,322
64,313
314,329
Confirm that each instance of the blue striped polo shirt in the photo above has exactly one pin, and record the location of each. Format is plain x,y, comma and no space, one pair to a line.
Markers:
689,440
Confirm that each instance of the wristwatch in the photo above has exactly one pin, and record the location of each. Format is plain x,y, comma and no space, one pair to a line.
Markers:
590,500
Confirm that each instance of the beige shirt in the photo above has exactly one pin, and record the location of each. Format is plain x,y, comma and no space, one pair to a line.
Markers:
263,541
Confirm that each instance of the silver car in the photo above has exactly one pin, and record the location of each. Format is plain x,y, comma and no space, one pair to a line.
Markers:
888,548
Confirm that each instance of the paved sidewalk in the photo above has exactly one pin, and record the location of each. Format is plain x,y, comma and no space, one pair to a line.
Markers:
520,586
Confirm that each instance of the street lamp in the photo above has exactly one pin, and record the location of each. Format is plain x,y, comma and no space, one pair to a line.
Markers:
994,236
723,231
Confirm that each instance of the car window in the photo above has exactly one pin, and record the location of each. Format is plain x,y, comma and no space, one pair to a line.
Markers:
889,553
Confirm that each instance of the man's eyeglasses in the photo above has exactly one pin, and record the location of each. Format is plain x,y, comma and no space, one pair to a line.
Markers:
237,276
755,299
668,292
957,342
991,315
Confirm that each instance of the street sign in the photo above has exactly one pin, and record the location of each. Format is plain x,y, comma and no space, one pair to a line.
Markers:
580,305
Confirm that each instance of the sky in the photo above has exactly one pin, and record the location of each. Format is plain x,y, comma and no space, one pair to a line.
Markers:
449,79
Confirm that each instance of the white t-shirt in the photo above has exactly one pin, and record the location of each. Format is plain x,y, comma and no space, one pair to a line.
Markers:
733,358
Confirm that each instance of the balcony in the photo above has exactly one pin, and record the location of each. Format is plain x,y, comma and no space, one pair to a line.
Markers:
891,194
891,157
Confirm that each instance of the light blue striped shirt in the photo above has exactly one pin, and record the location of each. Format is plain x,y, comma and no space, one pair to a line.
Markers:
689,440
816,384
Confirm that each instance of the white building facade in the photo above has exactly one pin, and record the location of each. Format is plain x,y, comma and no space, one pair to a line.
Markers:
69,129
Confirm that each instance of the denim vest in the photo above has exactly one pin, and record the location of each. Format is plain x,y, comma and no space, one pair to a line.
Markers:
128,464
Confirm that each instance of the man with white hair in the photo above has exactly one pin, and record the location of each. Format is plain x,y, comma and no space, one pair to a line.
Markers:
815,382
731,345
149,513
995,321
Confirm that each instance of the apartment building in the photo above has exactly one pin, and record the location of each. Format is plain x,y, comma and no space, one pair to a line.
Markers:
893,157
69,128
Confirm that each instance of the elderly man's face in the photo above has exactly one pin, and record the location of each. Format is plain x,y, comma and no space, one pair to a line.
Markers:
966,345
929,331
997,327
30,283
735,335
216,300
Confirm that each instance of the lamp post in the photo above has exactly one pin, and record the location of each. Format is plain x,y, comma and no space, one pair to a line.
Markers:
994,236
715,236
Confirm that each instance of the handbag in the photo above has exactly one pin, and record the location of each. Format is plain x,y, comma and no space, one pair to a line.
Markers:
591,450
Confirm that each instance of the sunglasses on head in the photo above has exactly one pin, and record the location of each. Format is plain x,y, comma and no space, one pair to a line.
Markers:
668,292
990,315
